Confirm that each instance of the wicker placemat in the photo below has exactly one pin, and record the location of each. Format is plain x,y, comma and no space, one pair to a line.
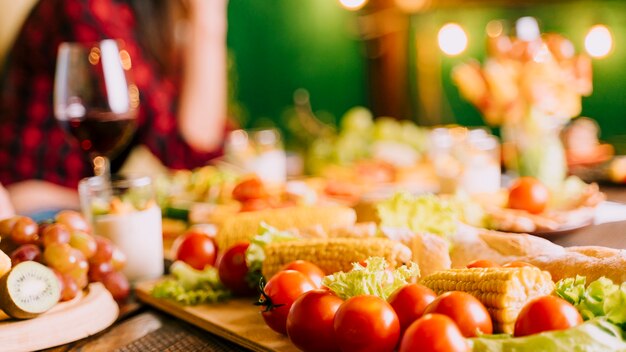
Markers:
175,338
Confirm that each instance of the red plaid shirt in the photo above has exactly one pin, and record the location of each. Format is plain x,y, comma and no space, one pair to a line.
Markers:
32,145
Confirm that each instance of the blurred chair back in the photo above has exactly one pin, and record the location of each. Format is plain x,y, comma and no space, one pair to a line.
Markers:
12,15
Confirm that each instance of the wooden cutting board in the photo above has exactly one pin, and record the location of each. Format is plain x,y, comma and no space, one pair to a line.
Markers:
237,320
85,315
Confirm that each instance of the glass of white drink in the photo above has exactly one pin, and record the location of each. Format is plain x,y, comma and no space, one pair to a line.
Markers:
123,209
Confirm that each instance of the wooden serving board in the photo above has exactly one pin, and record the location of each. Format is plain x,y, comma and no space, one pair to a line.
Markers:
237,320
85,315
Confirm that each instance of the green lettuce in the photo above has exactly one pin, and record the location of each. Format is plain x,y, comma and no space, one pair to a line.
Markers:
373,278
423,213
190,286
255,254
601,298
596,335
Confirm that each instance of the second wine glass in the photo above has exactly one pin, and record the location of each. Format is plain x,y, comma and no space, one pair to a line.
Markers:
95,100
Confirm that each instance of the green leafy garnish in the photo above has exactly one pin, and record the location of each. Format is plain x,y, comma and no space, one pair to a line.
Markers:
596,335
255,254
423,213
373,278
601,298
190,286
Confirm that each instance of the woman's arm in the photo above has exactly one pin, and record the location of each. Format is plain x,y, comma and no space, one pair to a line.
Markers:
6,208
34,195
202,113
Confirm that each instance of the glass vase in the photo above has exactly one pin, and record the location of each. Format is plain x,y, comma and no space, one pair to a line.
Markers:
532,146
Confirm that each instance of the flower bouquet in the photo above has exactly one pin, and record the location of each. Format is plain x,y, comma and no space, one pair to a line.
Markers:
530,88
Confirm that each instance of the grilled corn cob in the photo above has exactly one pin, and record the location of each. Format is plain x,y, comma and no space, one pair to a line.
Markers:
243,226
503,291
333,254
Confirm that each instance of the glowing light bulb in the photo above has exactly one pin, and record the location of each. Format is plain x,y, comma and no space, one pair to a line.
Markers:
527,29
599,41
452,39
353,5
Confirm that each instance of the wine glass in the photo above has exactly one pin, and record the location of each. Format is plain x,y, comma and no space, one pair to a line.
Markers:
95,100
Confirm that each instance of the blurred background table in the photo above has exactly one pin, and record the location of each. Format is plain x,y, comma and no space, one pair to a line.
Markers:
142,328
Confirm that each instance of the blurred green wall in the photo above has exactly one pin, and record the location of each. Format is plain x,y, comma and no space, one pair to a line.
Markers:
278,46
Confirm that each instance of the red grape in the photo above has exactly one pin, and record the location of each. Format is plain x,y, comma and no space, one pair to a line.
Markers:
69,288
25,231
104,250
97,271
117,284
55,233
73,220
24,253
119,259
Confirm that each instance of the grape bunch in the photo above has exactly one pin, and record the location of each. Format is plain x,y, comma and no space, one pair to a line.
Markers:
66,245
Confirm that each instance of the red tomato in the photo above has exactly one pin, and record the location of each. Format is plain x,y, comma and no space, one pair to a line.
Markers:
482,263
310,321
409,302
546,313
528,193
233,269
468,313
517,264
251,188
366,323
279,294
436,333
310,270
195,249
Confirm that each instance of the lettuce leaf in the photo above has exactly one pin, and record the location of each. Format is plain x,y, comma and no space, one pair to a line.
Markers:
596,335
601,298
423,213
255,254
373,278
190,286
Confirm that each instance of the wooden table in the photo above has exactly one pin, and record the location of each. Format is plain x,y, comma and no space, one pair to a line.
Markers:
142,328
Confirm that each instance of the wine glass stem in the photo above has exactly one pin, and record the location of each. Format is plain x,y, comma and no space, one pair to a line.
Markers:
101,166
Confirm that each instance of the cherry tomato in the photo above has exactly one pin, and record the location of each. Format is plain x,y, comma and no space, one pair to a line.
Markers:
196,249
482,263
310,321
366,323
465,310
546,313
529,194
251,188
433,332
517,264
409,302
310,270
279,294
232,269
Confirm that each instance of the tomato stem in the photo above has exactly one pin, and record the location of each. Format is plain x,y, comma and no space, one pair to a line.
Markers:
265,300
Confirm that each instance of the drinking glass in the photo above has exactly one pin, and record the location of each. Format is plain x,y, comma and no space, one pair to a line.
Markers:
258,151
123,209
95,100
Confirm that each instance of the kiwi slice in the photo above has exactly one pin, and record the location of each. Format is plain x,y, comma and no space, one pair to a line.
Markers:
28,290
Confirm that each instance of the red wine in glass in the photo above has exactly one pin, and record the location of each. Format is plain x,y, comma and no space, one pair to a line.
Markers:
95,100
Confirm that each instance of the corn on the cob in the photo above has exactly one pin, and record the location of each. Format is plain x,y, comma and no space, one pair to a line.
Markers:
333,254
503,291
243,226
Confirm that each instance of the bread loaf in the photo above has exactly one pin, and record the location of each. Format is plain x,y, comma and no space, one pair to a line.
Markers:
501,247
592,262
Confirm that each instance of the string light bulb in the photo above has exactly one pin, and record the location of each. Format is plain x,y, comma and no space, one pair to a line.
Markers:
452,39
599,41
352,5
